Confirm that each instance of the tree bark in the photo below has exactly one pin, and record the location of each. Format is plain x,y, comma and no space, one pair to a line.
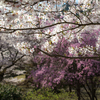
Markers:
78,91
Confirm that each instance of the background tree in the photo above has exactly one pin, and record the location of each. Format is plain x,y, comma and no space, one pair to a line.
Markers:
9,56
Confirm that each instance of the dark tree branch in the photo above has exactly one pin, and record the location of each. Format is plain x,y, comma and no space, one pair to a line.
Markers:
87,24
68,57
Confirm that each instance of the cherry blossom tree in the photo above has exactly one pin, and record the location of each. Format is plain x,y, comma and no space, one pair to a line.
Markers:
45,21
37,26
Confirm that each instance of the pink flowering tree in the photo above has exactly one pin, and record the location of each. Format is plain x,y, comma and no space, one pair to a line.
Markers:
78,71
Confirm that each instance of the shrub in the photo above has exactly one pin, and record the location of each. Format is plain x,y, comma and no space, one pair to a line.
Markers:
10,92
48,94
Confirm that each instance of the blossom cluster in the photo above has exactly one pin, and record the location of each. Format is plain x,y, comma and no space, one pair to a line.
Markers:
24,47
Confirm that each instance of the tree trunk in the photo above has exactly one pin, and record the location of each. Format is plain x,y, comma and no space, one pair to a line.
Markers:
93,92
1,76
78,91
70,88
